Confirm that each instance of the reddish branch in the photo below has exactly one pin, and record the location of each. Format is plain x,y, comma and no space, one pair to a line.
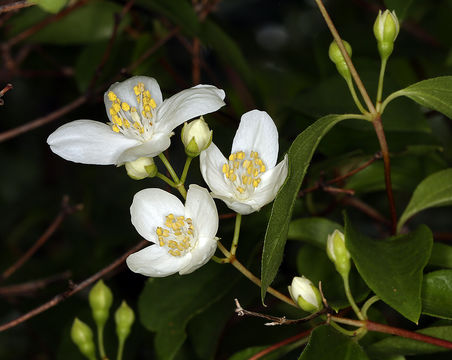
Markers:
73,290
65,210
15,6
3,91
33,286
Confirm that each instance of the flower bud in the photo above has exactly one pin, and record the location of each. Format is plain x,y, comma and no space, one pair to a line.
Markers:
336,57
124,318
141,168
305,294
100,300
196,137
338,253
82,336
386,29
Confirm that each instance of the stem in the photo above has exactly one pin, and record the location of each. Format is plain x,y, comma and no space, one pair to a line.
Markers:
380,83
368,304
301,339
120,349
166,179
169,168
347,59
389,99
354,96
235,240
342,330
185,171
350,299
378,126
100,340
234,262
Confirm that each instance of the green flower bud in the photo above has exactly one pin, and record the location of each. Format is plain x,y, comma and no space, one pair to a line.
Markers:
336,57
100,300
141,168
338,253
305,294
196,137
124,318
386,29
82,336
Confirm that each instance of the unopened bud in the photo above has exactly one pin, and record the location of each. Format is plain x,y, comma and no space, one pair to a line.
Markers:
305,294
82,336
338,253
141,168
100,300
386,29
196,137
124,318
336,57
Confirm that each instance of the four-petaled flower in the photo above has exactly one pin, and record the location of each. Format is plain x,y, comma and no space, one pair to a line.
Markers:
183,237
141,123
248,179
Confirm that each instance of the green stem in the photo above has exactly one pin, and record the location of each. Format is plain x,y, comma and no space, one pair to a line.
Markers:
368,304
342,330
351,87
220,260
185,171
389,99
120,349
100,340
380,83
169,168
235,240
166,179
350,299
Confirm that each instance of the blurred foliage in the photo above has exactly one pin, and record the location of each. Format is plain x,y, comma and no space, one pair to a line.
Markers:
270,55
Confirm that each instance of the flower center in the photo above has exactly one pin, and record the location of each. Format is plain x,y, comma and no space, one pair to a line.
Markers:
244,172
177,235
130,120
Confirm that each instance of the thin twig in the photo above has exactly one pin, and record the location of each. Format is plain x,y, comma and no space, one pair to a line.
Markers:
366,209
32,286
73,290
3,92
64,211
196,63
15,6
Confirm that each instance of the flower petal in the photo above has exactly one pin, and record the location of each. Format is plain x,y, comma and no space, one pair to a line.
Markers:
153,147
201,208
257,132
155,261
271,181
149,209
188,104
244,207
89,142
124,91
211,162
201,254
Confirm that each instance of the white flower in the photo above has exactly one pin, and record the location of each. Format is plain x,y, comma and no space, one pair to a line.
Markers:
248,179
183,237
305,294
140,122
196,136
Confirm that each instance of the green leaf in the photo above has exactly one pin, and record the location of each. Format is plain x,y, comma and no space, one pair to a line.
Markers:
392,268
395,345
90,23
441,255
433,93
437,294
326,343
51,6
314,230
300,155
433,191
167,304
399,6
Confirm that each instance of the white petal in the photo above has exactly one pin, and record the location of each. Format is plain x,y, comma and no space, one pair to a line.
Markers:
188,104
257,132
270,183
155,261
153,147
211,163
201,254
149,209
89,142
242,207
124,91
201,208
